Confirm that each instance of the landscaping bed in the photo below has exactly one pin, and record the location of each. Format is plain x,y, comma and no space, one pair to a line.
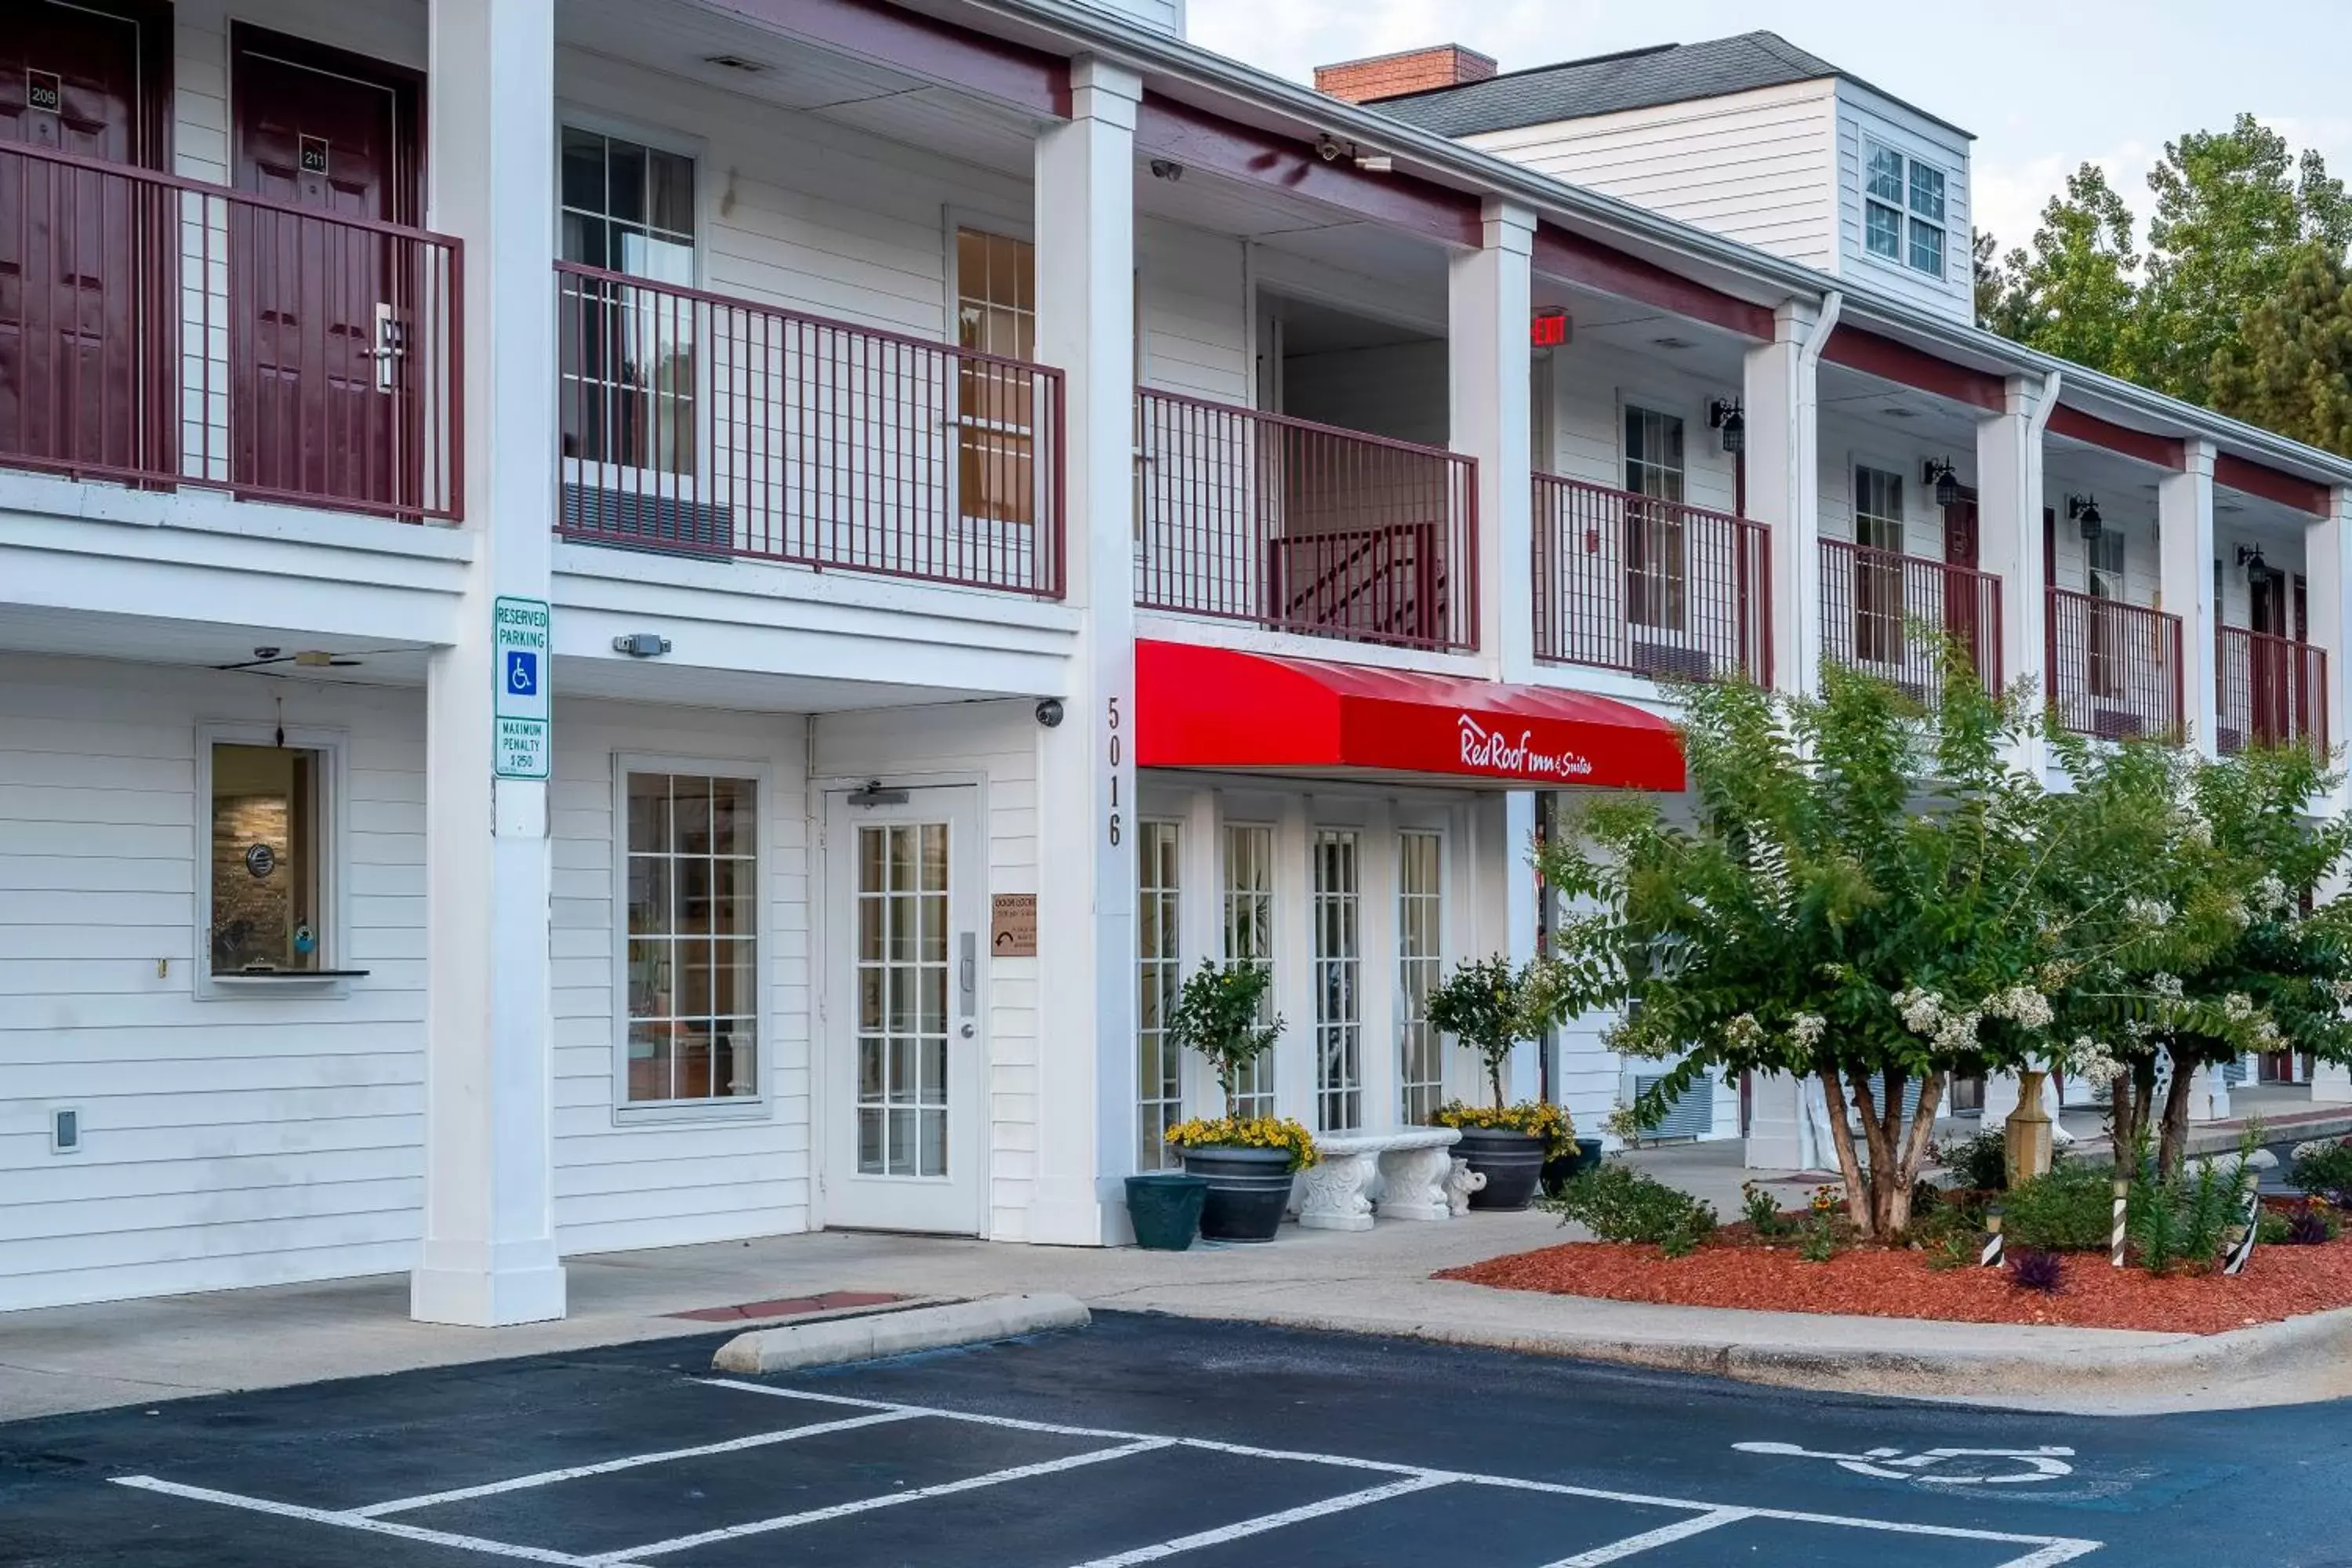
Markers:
1736,1269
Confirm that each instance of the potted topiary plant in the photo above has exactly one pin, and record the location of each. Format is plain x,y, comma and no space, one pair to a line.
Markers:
1247,1162
1490,1007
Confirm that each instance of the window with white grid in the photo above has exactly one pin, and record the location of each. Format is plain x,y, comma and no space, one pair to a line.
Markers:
1159,974
1421,1050
1903,212
1339,983
1249,937
693,881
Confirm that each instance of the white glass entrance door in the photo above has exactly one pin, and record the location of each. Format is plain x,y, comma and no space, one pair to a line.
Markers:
905,1047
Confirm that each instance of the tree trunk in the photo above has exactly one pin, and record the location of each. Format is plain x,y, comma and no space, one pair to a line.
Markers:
2129,1104
2172,1142
1857,1194
1495,1078
1879,1203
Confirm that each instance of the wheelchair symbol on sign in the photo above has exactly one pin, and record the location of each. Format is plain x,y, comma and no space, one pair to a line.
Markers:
522,672
1939,1466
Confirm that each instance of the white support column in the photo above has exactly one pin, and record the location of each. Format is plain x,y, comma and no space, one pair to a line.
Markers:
2328,568
2184,520
1086,805
1376,987
2008,531
488,1257
1780,401
1488,360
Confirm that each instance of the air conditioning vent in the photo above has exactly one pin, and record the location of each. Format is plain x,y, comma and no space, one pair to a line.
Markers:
635,518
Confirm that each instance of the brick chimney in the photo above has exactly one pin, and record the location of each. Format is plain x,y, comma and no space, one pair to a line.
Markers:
1415,70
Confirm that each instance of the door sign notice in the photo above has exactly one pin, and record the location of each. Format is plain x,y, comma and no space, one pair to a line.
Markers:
521,652
1013,925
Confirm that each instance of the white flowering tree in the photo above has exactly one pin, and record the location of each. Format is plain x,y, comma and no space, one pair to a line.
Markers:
2281,979
1857,900
2151,897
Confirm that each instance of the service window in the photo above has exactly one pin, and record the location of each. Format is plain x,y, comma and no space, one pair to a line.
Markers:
266,878
693,945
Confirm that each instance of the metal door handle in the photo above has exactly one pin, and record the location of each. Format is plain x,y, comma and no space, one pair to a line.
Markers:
968,978
391,344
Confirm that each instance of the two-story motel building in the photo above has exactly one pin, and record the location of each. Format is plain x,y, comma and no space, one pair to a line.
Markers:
1006,505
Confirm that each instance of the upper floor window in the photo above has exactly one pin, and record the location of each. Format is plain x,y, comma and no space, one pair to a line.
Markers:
629,354
1654,533
2106,564
996,313
1903,217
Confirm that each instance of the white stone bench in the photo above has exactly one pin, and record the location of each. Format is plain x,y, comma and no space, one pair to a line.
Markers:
1411,1163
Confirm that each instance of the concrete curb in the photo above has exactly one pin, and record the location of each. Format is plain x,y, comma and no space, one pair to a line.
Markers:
897,1333
2272,1352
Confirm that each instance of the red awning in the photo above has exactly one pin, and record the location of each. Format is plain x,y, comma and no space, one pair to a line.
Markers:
1200,706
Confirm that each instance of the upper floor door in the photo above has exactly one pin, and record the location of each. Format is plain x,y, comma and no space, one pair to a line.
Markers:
85,80
323,404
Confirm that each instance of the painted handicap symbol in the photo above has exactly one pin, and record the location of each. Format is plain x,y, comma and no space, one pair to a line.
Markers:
1939,1466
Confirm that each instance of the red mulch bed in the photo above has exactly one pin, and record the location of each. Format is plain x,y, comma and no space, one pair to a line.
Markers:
1736,1270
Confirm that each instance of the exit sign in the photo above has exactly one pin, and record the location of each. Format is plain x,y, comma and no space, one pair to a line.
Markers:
1551,328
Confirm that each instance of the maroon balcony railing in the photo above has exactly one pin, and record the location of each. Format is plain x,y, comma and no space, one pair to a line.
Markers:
2268,691
701,424
1303,528
1630,581
1887,612
2115,668
163,331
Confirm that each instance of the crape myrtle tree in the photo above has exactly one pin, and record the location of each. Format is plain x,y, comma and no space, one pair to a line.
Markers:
1856,900
2149,897
2192,887
2281,982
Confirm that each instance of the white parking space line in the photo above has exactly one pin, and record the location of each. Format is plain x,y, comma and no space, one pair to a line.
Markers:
1266,1521
355,1522
1665,1535
2045,1550
548,1477
1209,1445
2049,1549
888,1500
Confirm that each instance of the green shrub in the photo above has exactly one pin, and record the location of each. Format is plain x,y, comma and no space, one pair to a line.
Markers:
2072,1209
1762,1211
1980,1162
1617,1203
2323,1168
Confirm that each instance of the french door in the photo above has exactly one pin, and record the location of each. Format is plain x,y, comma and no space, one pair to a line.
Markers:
904,1046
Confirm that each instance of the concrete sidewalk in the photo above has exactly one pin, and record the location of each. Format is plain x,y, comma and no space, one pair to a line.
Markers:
73,1358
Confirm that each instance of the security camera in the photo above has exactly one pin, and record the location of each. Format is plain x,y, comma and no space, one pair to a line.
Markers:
1049,712
1327,148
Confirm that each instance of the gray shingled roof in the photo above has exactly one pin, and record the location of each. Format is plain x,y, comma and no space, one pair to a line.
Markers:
1637,79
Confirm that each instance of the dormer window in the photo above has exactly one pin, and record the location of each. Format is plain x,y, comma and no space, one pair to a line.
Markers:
1903,209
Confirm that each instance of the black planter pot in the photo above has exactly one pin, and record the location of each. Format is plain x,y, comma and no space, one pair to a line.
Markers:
1165,1208
1562,1169
1248,1189
1512,1164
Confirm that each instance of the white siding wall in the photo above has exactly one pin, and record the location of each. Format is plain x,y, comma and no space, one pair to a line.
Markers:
1862,114
620,1182
1591,385
1847,444
998,743
1195,303
798,211
242,1141
2135,517
395,31
1754,166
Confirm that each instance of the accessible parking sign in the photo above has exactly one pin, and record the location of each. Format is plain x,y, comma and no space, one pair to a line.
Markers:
522,650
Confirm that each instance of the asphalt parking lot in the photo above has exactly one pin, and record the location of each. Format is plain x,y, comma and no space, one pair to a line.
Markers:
1149,1439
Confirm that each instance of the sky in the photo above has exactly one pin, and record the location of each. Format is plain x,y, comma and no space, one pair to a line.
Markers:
2045,86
